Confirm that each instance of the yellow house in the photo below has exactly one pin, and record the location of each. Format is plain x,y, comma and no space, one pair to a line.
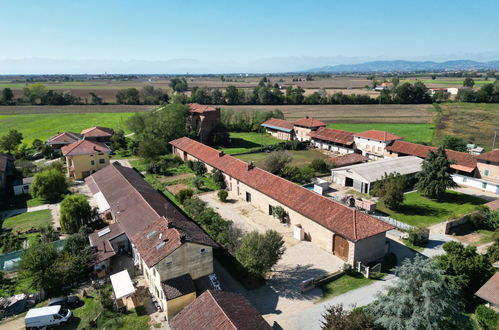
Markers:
85,157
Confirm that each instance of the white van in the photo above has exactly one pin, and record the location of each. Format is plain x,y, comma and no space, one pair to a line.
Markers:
46,316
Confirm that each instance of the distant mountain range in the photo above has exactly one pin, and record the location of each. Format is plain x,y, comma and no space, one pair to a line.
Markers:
409,66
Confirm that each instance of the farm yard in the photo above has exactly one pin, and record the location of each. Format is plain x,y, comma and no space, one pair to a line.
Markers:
247,141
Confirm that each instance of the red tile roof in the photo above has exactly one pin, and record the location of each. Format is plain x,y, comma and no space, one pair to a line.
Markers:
332,215
218,310
98,131
463,161
64,138
138,208
490,290
280,123
378,135
178,286
491,156
333,135
349,159
84,147
309,122
200,108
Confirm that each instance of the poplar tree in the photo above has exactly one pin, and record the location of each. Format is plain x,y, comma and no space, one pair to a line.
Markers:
436,176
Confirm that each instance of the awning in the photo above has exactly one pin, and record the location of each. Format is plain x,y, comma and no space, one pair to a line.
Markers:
122,284
102,203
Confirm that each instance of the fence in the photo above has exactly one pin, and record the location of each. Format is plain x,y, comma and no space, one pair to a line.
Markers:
393,222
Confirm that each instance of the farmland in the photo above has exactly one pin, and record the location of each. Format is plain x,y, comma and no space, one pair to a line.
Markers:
416,133
44,126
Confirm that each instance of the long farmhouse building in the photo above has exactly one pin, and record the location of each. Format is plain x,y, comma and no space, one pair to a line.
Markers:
347,233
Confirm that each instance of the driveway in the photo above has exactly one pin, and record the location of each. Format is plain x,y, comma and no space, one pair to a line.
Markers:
488,196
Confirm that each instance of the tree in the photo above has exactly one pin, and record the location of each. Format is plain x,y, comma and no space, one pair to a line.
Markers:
197,182
390,188
319,165
337,318
486,317
468,270
184,195
11,141
49,185
260,252
151,149
94,99
218,178
199,168
435,176
128,96
7,96
36,92
232,95
75,213
468,82
222,195
454,143
178,84
277,161
36,264
118,140
420,299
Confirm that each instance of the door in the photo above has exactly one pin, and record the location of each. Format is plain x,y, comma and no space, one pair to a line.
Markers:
248,197
340,247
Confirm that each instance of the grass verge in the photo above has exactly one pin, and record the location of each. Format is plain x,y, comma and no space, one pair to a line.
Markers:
247,141
300,157
347,282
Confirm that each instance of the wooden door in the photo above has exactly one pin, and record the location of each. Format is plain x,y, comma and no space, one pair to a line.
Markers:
340,247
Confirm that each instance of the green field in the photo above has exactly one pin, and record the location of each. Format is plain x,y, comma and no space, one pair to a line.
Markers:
247,141
44,126
28,220
300,157
410,132
418,210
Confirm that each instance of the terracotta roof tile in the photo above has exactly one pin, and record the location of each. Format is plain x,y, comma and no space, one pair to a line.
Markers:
349,159
490,290
333,135
309,122
64,138
336,217
218,310
462,160
98,131
200,108
378,135
279,123
137,207
491,156
178,286
84,147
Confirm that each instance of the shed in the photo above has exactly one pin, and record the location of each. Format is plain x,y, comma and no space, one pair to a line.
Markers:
362,176
123,290
21,187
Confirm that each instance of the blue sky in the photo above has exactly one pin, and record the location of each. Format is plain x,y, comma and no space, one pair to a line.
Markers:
243,34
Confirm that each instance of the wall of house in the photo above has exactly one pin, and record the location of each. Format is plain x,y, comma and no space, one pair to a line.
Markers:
279,134
370,148
489,172
176,305
78,166
331,146
187,259
370,249
302,133
481,184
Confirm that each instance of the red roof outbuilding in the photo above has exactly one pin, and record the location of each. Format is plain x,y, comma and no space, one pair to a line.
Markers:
200,108
349,159
279,123
98,131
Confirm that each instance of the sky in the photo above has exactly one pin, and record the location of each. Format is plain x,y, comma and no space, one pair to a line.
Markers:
61,36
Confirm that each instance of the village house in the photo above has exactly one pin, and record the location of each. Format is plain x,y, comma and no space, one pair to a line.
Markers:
203,119
85,157
373,143
63,139
98,134
488,165
172,252
280,128
303,127
345,232
217,310
362,177
334,140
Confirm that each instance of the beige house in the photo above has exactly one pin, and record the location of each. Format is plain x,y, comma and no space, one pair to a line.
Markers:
85,157
345,232
373,143
303,127
488,165
168,248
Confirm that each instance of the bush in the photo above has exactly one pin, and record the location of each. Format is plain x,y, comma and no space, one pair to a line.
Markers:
49,185
280,213
485,218
276,161
486,317
75,213
184,195
222,195
218,178
197,182
190,164
319,165
199,168
419,236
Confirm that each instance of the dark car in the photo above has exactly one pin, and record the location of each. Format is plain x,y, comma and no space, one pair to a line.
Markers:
64,301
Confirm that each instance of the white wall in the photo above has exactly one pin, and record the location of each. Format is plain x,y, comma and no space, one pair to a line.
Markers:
476,183
324,145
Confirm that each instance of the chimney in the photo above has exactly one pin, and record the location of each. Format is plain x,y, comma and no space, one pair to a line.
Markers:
221,153
306,117
182,238
251,165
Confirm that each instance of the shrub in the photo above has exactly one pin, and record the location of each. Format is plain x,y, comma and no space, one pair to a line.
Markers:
190,164
49,185
277,161
75,213
197,182
319,165
218,178
486,317
199,168
419,236
184,195
222,195
390,188
279,213
485,218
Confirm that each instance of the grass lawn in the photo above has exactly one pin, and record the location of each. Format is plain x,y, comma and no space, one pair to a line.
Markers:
247,141
487,236
44,126
419,210
21,202
300,157
28,220
344,284
410,132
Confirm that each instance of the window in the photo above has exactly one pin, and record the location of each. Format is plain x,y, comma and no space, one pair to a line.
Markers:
484,185
202,251
486,173
271,209
248,197
102,161
92,162
100,153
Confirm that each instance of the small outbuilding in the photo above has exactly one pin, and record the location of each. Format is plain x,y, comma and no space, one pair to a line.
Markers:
124,291
21,187
361,177
490,292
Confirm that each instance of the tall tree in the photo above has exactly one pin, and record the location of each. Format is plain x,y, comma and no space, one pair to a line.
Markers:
11,141
338,318
277,161
75,213
468,82
454,143
420,299
7,96
390,188
50,185
36,264
435,177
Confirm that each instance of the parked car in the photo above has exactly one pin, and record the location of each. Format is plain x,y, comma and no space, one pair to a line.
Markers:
64,301
43,317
